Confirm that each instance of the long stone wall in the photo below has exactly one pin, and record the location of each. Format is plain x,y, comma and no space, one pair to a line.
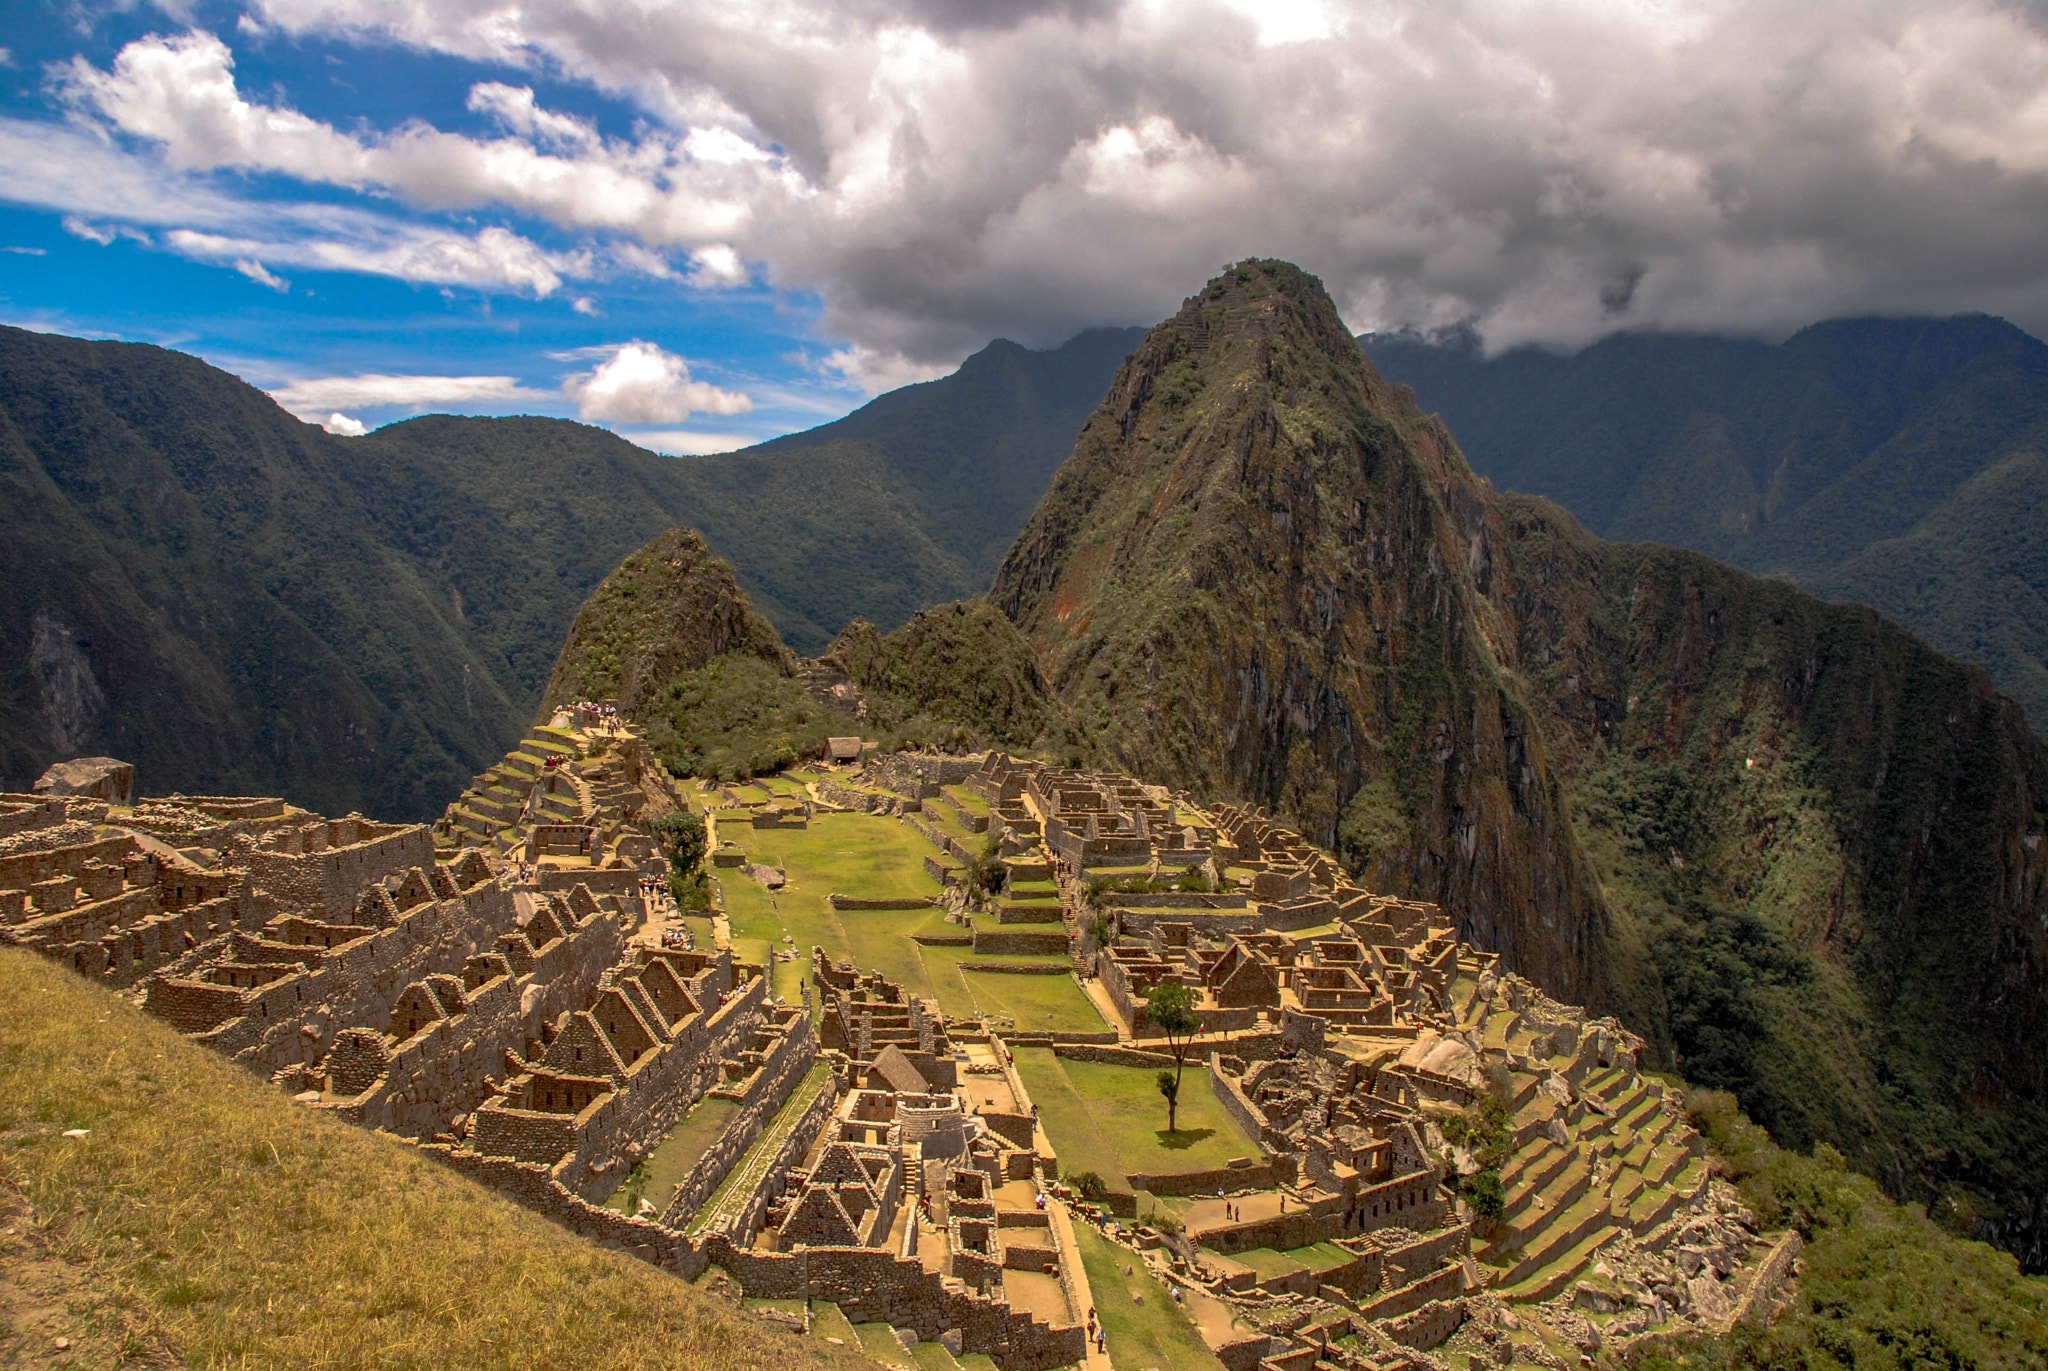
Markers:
328,880
871,1284
763,1100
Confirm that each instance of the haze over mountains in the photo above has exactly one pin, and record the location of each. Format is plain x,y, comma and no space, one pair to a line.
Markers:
1901,463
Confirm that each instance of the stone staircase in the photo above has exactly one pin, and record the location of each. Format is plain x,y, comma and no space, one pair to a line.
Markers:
488,813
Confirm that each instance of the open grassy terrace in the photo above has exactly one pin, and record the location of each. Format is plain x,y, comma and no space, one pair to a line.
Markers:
1041,1003
201,1218
1148,1333
872,857
656,1178
1111,1119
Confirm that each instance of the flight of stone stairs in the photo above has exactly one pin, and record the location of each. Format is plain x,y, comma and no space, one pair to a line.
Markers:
488,813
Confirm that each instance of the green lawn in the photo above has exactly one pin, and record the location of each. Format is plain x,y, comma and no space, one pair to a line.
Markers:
1046,1003
664,1169
943,969
878,1340
828,1322
1109,1119
1152,1334
967,799
1267,1263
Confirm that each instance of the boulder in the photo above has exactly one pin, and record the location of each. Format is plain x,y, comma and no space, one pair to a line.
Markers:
92,778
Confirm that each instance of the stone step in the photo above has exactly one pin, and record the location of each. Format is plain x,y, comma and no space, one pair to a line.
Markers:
1547,1280
1535,1164
1560,1235
1657,1205
1615,1086
1545,1162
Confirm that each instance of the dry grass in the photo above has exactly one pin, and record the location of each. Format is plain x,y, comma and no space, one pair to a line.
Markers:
212,1218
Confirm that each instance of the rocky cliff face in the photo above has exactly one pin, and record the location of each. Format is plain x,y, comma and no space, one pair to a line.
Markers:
667,610
1264,573
1793,846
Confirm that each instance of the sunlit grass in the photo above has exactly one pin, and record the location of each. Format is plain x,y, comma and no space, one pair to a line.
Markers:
249,1230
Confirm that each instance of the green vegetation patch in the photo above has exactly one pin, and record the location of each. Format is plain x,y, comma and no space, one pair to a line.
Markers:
1145,1327
1051,1004
1111,1120
656,1177
1885,1287
203,1212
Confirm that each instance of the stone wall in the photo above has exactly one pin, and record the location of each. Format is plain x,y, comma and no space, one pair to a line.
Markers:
329,880
763,1100
657,1087
359,982
870,1285
1261,1175
997,942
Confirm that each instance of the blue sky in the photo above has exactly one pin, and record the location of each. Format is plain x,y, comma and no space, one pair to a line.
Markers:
703,224
315,324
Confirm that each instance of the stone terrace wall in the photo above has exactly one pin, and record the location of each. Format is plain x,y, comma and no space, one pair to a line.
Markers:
788,1065
775,1177
535,1187
656,1089
330,880
358,983
439,1072
871,1284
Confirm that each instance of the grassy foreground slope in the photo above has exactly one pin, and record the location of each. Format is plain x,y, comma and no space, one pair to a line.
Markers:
210,1221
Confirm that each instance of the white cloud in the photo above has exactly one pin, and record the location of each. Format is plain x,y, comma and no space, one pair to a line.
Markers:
639,383
317,398
936,171
107,192
255,271
92,233
495,257
875,370
717,265
583,304
24,251
682,443
344,425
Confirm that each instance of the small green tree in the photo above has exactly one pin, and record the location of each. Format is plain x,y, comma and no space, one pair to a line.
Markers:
1169,1086
1171,1007
1483,1192
683,839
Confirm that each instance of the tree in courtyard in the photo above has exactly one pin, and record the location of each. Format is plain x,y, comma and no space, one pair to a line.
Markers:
1169,1086
1171,1007
683,839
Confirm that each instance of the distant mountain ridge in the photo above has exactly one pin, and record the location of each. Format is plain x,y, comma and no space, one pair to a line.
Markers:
1902,463
237,601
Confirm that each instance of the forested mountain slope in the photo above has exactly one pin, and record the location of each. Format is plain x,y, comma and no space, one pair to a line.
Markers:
1795,846
237,601
1902,463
